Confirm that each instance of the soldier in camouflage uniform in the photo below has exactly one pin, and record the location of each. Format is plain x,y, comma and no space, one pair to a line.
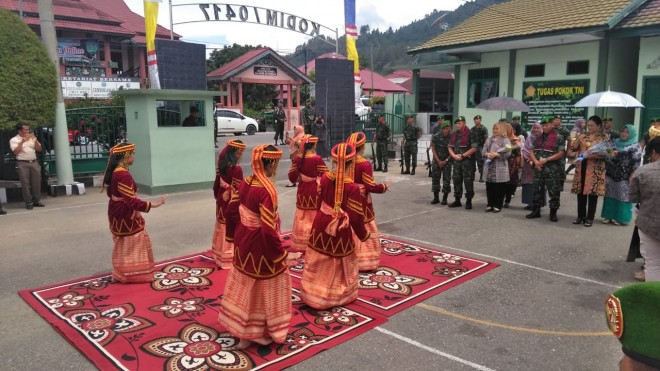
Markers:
565,135
441,163
607,129
307,115
382,136
280,117
547,157
479,135
461,149
410,135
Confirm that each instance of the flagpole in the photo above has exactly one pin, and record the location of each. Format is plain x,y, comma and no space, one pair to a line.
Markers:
171,23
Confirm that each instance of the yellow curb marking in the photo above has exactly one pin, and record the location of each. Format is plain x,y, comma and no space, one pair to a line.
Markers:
513,328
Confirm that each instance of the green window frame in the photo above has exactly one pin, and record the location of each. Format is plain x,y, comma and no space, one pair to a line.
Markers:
483,83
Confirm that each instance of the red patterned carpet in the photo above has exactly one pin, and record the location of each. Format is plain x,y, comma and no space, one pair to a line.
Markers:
171,323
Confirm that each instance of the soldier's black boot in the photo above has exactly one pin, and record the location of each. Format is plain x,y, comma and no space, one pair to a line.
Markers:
456,203
412,172
436,198
553,215
481,177
468,204
379,168
536,213
444,198
385,168
407,171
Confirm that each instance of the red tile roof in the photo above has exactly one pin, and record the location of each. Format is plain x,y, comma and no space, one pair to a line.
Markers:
379,83
89,27
311,65
646,15
237,63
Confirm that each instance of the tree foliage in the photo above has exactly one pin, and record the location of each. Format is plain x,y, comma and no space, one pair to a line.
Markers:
28,79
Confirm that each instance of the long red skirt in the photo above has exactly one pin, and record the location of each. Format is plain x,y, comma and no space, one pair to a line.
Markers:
223,251
327,281
302,229
256,309
133,258
368,252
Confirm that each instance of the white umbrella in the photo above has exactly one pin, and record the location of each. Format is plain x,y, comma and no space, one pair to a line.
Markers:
609,99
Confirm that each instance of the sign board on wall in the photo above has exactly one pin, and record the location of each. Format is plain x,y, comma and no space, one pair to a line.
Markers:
554,98
96,87
77,50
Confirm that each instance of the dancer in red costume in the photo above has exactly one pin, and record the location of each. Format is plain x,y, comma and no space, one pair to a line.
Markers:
368,252
306,170
330,277
256,305
228,177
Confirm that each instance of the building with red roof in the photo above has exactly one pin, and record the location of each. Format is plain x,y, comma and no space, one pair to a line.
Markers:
101,44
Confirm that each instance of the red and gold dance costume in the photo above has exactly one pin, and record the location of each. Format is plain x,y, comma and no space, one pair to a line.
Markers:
307,176
368,252
330,277
225,192
132,256
257,299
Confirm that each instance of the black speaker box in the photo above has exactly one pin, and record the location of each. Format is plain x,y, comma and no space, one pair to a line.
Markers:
335,97
181,65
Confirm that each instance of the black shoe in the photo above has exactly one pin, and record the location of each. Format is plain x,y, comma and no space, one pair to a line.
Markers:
481,178
385,170
506,205
536,213
406,172
456,203
578,221
436,199
378,169
29,207
553,215
38,204
528,207
412,172
588,222
489,209
444,198
468,204
3,212
216,146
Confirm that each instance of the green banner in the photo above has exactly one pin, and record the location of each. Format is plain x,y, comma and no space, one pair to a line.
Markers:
554,98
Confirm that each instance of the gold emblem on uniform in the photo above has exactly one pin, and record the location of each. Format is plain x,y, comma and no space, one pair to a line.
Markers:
614,315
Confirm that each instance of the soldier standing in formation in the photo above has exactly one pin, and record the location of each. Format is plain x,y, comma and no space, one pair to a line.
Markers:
307,114
479,136
410,135
461,149
280,117
383,134
547,156
441,165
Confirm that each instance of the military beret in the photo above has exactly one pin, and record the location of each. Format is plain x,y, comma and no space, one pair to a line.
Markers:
308,101
655,119
515,118
410,117
477,117
632,315
445,124
607,119
547,119
459,118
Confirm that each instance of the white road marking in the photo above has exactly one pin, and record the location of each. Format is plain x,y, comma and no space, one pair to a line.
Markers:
505,260
433,350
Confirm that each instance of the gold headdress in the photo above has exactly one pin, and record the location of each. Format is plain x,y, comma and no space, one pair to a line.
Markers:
258,154
116,150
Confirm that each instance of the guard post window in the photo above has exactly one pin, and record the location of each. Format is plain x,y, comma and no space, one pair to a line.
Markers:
483,83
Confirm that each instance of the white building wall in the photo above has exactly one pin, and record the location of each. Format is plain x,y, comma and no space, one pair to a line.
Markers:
488,60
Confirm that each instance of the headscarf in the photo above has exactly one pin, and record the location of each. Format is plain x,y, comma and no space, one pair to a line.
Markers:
578,126
620,144
356,139
116,150
258,154
298,132
529,143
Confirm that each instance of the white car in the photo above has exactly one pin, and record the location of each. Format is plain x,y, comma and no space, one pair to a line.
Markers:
361,111
230,122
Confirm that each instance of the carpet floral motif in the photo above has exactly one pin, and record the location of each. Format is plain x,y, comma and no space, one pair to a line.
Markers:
69,299
174,307
178,275
102,326
390,280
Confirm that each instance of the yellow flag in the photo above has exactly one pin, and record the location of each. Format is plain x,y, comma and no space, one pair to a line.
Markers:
150,24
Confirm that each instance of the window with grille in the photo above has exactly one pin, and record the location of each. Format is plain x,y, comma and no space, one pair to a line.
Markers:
483,83
577,67
535,70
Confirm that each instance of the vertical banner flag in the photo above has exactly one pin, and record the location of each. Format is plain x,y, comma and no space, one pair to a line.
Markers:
150,24
351,49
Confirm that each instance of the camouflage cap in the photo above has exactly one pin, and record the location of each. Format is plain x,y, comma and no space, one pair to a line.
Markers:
459,118
632,316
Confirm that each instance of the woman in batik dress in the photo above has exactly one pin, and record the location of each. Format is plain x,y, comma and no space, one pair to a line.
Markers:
256,303
228,177
368,252
132,256
330,277
306,170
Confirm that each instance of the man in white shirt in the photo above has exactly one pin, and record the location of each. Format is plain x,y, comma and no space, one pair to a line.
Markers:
25,146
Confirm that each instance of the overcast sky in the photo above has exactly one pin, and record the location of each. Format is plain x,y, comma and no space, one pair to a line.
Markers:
330,13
